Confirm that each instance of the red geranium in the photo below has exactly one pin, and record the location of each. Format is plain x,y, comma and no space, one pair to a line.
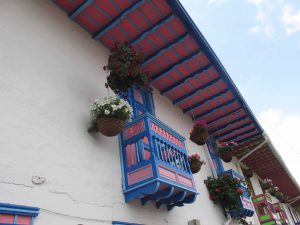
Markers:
240,191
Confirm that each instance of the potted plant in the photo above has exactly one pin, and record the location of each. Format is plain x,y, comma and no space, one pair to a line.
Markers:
109,115
273,191
225,151
124,68
199,134
266,184
225,190
195,163
248,173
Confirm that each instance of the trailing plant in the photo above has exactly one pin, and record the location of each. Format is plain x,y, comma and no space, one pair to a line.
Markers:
195,162
109,107
124,68
225,190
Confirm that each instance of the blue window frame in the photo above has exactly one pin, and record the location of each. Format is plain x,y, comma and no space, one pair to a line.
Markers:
17,214
217,163
141,100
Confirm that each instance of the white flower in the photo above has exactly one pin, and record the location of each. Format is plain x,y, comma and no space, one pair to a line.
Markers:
106,112
114,107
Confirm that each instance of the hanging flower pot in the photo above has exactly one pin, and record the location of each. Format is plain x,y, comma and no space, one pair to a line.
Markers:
225,151
195,163
226,156
109,116
225,190
199,134
266,184
124,68
110,126
248,173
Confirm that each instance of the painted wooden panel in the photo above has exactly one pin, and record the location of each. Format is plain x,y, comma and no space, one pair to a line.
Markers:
7,218
140,174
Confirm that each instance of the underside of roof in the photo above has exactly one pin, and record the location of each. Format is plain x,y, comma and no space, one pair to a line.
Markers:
183,67
266,162
181,64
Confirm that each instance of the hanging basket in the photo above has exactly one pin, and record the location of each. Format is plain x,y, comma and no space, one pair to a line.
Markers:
265,186
248,173
110,126
199,138
195,166
226,157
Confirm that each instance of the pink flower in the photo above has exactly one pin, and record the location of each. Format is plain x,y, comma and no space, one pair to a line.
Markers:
201,123
223,144
240,191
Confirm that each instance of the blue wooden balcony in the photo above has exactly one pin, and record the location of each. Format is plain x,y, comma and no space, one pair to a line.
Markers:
155,164
246,206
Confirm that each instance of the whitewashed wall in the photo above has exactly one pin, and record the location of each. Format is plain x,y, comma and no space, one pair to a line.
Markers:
50,73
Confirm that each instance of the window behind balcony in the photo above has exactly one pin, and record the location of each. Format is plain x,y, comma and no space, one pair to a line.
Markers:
141,101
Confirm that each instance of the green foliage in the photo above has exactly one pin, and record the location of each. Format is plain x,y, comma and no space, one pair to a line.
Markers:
225,190
124,68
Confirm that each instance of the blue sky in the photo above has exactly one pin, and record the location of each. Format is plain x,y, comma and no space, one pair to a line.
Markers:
258,42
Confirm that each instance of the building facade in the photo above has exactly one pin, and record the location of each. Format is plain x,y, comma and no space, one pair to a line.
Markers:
55,172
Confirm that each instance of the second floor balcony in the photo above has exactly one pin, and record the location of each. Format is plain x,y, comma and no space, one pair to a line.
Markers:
246,207
155,164
265,210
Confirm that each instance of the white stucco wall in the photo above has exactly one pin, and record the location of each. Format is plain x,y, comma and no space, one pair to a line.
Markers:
50,73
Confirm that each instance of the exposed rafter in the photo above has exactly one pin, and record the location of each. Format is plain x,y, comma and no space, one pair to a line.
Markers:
239,135
185,79
165,48
79,9
117,19
196,91
225,104
170,68
200,104
152,28
231,113
226,125
235,129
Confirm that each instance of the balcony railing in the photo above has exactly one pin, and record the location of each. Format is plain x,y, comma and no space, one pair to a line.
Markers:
265,210
281,213
155,164
246,206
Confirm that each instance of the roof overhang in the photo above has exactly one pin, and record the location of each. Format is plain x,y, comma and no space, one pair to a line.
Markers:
267,163
181,63
184,68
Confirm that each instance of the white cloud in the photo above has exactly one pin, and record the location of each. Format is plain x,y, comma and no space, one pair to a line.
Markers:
267,17
290,19
275,18
254,30
283,129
